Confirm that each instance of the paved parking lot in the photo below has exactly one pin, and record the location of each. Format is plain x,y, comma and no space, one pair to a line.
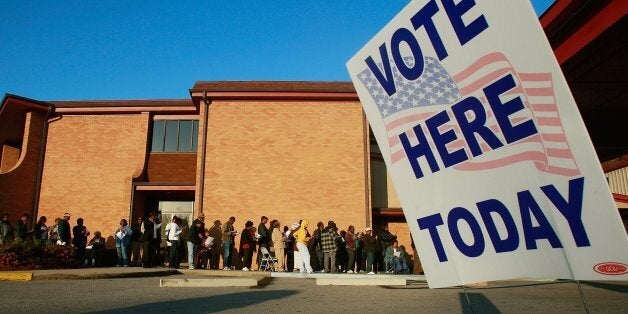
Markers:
288,295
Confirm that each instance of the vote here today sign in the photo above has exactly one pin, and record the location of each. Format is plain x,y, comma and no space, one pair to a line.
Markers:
495,171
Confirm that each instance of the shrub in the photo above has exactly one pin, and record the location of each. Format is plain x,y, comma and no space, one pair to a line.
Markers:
28,257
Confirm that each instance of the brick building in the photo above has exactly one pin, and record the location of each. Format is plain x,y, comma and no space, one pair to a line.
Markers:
287,150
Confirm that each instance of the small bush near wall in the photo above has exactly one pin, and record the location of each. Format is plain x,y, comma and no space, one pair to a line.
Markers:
28,257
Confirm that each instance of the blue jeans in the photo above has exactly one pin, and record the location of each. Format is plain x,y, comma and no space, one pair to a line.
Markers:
122,255
226,258
399,265
192,250
370,258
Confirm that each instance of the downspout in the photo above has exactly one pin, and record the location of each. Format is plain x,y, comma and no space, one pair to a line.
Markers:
40,162
201,187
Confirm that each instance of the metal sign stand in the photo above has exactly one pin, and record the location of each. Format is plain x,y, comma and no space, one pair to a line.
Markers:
584,302
468,299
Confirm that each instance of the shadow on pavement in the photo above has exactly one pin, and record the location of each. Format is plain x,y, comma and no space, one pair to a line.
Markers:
479,304
210,304
606,286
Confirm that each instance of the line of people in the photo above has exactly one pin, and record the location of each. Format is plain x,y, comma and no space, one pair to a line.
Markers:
292,246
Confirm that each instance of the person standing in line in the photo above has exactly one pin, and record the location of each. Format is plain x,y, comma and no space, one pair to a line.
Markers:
6,230
350,241
63,229
80,240
216,233
150,238
123,241
173,231
228,235
53,236
360,255
136,242
329,245
386,239
40,232
264,238
247,245
370,247
195,238
22,229
279,245
302,237
318,249
289,240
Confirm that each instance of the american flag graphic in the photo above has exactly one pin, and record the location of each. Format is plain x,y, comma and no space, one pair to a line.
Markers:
436,90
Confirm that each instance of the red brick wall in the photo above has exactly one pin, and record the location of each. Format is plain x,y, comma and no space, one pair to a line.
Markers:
169,167
89,166
10,157
286,160
17,187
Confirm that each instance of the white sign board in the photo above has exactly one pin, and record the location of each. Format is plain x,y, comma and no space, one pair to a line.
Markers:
495,171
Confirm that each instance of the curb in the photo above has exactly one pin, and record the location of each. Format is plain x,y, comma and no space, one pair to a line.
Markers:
16,276
68,276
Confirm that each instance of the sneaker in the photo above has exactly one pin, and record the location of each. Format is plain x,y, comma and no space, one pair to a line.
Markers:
233,268
125,265
118,265
349,271
371,273
245,269
226,268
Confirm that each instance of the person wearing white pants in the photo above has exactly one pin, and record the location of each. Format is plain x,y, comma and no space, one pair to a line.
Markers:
302,237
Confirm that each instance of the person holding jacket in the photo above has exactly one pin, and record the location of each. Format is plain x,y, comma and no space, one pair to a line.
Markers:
123,241
302,236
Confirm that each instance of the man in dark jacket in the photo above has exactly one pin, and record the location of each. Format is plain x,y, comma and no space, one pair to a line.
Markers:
6,231
370,247
318,249
151,236
195,237
386,240
22,228
264,237
136,242
247,245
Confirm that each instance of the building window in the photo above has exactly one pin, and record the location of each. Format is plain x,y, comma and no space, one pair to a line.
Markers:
171,136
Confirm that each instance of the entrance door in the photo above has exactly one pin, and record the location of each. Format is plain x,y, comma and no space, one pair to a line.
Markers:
181,209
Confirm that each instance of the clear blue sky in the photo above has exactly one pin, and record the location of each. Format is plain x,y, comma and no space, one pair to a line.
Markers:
113,49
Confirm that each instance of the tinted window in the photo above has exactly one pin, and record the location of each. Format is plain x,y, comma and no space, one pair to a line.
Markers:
172,130
174,136
185,136
195,135
158,136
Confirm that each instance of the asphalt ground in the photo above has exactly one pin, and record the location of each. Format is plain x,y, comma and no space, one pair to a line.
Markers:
287,295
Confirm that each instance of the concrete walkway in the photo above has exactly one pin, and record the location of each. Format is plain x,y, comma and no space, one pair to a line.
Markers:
128,272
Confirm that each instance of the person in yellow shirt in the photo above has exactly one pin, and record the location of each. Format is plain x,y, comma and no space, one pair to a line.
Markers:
303,236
